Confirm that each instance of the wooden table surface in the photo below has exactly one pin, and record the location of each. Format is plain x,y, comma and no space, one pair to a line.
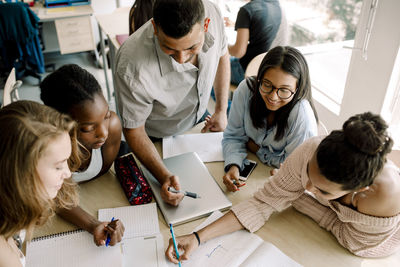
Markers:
292,232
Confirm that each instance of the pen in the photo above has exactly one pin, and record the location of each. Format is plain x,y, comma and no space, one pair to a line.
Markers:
186,193
173,240
109,236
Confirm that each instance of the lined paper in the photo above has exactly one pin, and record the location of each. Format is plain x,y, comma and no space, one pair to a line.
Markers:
75,249
141,220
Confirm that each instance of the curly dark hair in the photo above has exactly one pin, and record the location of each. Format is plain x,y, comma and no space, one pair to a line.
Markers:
355,155
291,61
68,86
176,18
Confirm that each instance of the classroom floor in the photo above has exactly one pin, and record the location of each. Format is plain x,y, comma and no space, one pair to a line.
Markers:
30,86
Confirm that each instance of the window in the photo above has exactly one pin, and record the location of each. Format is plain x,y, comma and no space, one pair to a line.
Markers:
324,31
352,47
371,82
391,106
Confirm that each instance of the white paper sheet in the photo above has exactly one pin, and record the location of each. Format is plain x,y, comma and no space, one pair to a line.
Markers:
144,251
207,145
239,248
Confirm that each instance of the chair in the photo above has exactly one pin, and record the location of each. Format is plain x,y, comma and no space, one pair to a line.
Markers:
10,93
253,66
19,40
322,130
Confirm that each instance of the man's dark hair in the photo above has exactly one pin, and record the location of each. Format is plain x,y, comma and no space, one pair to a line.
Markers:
176,18
67,87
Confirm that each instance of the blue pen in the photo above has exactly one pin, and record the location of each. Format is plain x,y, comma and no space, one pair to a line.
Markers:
173,240
109,236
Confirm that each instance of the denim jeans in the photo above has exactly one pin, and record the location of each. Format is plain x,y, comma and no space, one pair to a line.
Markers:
237,72
229,102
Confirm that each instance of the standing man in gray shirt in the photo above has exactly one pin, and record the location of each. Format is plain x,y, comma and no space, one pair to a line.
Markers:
164,74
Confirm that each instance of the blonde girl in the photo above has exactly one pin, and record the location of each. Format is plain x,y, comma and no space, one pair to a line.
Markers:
38,150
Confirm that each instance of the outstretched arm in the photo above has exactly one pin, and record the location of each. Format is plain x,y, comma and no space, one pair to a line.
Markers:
239,49
188,243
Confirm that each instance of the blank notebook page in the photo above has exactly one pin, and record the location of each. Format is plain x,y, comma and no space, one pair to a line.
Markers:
71,249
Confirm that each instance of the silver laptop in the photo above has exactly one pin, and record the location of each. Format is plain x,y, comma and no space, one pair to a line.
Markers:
194,177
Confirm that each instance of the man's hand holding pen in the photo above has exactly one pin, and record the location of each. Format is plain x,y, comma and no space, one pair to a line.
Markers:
171,198
185,193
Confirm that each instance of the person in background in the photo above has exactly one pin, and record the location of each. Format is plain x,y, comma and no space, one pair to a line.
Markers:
74,91
343,182
257,25
271,114
38,150
164,73
140,12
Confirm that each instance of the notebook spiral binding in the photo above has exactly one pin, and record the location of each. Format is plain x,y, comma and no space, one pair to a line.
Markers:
40,238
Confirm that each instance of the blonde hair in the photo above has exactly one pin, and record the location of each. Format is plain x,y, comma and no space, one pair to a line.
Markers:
26,130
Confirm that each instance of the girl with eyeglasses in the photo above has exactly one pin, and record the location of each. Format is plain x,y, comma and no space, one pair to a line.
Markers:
343,182
271,114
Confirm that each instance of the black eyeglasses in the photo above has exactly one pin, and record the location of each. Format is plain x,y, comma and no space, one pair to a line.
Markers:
267,88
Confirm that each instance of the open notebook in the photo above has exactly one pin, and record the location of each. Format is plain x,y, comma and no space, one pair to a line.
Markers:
142,244
239,248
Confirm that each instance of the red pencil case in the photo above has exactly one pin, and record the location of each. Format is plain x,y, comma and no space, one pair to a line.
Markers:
131,178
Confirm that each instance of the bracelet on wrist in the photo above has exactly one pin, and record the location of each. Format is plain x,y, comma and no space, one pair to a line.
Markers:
197,237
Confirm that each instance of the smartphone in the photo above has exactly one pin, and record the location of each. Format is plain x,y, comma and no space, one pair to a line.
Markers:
248,168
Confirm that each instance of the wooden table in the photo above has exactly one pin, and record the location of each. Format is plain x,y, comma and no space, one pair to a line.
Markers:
292,232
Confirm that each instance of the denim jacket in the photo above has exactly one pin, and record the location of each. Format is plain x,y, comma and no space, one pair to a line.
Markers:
301,126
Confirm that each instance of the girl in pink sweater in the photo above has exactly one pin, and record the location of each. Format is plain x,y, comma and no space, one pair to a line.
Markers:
342,181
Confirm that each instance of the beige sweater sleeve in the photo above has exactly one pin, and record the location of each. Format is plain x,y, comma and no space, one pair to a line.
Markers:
361,234
278,192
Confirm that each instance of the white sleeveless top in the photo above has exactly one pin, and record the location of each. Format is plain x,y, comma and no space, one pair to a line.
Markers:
12,243
22,235
96,162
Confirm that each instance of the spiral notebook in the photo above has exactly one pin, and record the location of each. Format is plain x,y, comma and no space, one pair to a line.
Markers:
142,243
